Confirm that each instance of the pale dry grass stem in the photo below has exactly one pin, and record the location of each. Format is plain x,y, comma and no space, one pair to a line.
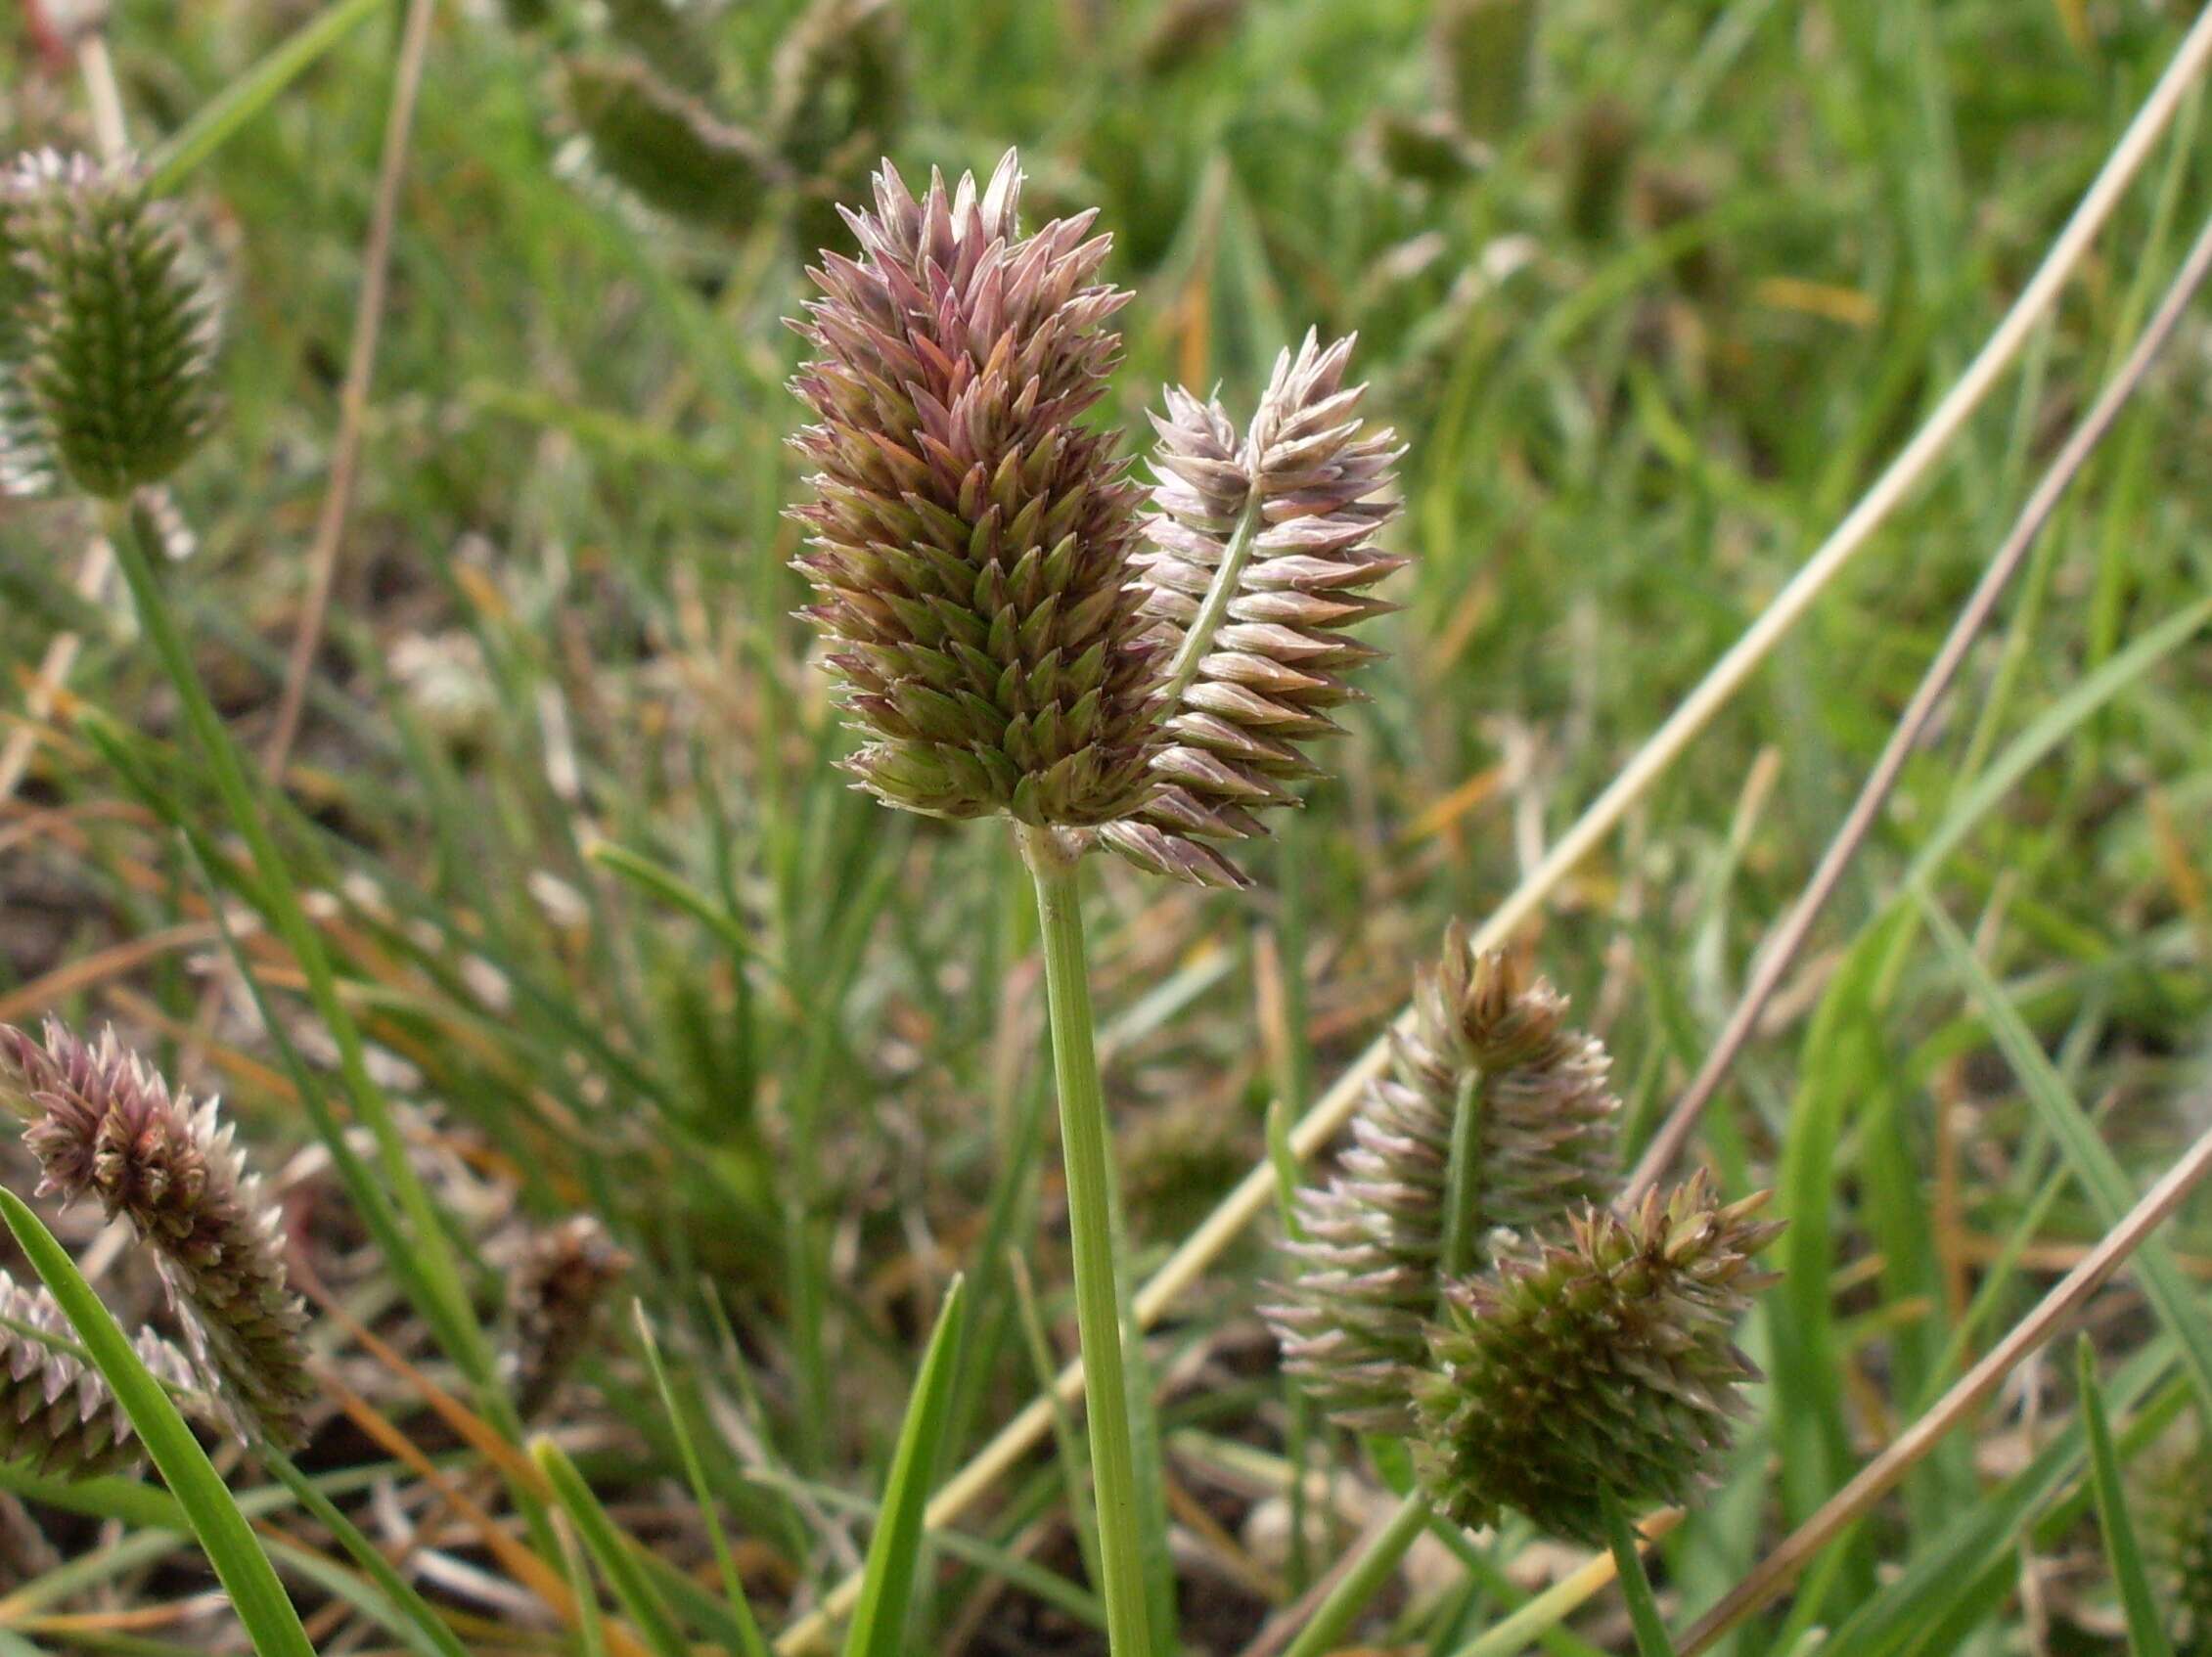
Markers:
1789,938
1966,1395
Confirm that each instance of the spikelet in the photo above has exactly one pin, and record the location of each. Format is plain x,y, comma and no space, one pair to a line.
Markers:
104,1124
1353,1324
57,1413
555,1292
1291,504
666,146
1601,1359
118,334
971,537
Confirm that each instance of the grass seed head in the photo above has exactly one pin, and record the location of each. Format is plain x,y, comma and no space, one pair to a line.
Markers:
104,1124
970,536
57,1413
1297,496
117,328
1599,1358
1354,1324
557,1292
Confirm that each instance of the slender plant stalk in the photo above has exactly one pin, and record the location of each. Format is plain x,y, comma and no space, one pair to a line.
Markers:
457,1327
1548,1610
1098,1301
1363,1581
1636,1587
354,397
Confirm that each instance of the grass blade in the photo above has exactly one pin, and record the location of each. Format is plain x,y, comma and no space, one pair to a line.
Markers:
1636,1587
2147,1636
2102,1180
879,1621
263,1607
610,1551
591,1633
749,1643
438,1640
252,92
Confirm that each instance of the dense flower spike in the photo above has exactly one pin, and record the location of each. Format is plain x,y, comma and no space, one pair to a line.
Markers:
1354,1324
55,1412
557,1291
117,331
970,540
1600,1361
104,1124
1259,561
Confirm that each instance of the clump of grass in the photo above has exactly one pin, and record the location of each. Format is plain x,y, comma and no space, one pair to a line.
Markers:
1612,459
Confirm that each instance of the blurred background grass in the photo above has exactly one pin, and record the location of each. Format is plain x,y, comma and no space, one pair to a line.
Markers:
1649,311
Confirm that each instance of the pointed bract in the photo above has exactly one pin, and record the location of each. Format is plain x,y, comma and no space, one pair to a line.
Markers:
104,1124
971,537
58,1415
1600,1359
1298,498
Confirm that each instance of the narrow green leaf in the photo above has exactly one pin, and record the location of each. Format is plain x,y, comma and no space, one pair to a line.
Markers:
252,92
243,1567
1636,1587
2102,1180
878,1620
1073,1464
671,888
2052,728
1948,1568
2146,1635
591,1628
749,1643
1284,1161
609,1550
436,1639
